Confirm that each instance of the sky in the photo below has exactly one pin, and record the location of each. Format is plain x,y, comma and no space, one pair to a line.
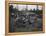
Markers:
20,7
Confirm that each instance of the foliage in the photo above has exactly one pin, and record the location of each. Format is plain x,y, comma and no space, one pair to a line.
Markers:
15,10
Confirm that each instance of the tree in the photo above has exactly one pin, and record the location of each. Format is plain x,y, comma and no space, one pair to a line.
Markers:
30,10
11,9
